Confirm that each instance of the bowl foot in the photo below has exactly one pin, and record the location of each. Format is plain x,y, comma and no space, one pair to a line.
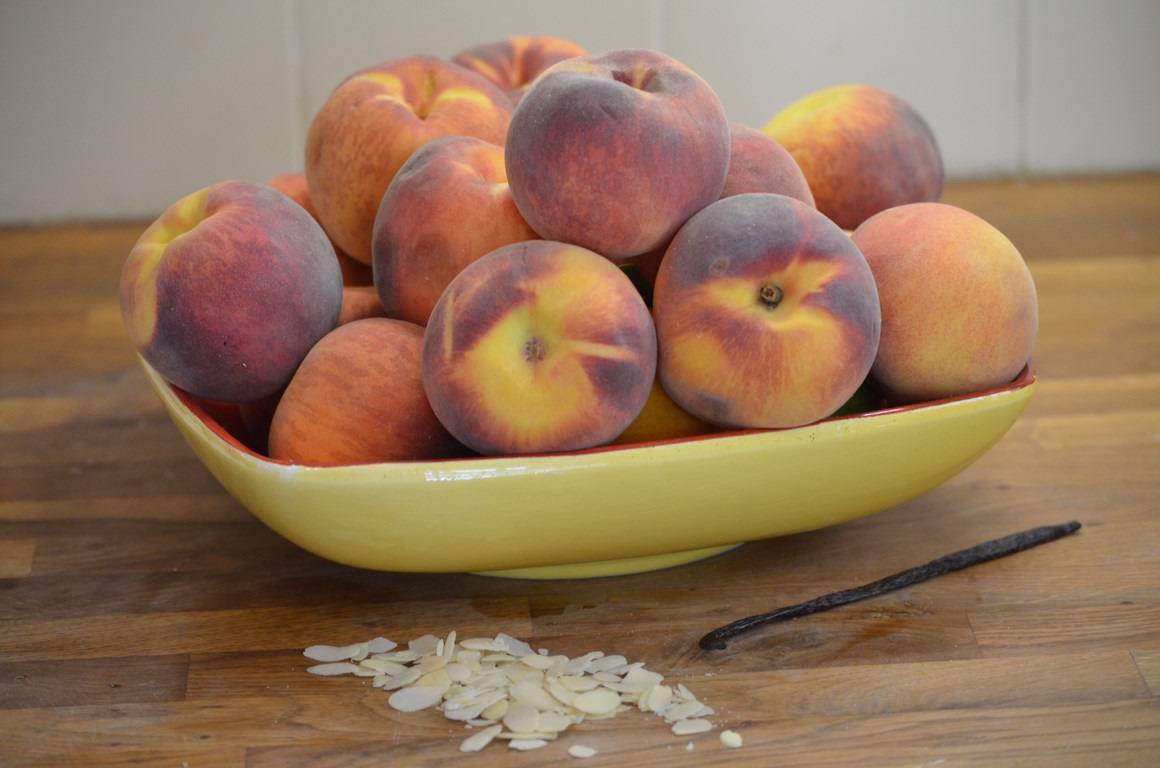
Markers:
611,567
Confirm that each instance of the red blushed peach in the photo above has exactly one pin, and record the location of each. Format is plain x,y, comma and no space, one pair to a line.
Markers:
293,185
514,63
959,310
537,347
448,205
757,163
228,290
766,314
615,152
358,398
358,303
862,150
376,119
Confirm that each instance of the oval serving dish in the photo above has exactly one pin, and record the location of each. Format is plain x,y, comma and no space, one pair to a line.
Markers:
604,511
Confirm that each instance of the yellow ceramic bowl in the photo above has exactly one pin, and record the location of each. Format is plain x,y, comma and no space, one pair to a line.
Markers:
605,511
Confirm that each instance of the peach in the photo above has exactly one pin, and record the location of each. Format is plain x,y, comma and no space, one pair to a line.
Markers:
959,310
448,205
358,303
757,163
514,63
228,290
662,419
538,346
358,398
862,150
293,185
766,314
614,152
374,120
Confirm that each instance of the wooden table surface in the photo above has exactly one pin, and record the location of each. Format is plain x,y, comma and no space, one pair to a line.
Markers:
146,618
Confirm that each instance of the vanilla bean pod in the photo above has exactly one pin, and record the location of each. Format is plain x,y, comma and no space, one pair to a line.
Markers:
965,558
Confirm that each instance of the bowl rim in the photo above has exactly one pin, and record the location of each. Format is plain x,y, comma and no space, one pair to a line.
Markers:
1026,377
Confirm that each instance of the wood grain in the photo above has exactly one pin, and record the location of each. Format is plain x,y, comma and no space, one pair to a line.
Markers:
147,619
1148,662
64,682
16,557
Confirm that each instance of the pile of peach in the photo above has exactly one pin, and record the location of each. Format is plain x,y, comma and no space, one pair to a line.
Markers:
607,260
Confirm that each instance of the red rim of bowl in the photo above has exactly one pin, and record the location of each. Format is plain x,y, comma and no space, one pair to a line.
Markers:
1025,378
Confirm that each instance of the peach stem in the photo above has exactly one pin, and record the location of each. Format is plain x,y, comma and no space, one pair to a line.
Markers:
534,350
770,295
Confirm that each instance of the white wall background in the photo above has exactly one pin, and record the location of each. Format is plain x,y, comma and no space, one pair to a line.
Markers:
115,108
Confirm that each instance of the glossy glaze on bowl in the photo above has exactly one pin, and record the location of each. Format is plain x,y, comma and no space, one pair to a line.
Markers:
608,510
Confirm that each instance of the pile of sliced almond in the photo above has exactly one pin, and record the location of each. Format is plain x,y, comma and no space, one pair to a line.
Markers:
507,690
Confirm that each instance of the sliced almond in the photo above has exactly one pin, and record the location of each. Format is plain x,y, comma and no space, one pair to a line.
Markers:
489,680
514,646
466,657
382,666
606,663
479,722
545,735
448,650
330,653
518,672
404,656
535,661
581,751
415,698
559,664
478,741
685,693
521,717
560,693
462,714
598,701
533,695
731,739
406,677
495,710
523,745
659,697
687,727
333,668
625,668
432,663
483,644
381,645
425,645
437,679
578,683
681,710
554,722
580,664
472,709
458,672
639,678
